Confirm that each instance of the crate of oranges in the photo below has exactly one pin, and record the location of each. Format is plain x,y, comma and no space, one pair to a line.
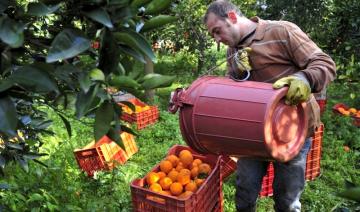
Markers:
183,181
344,110
143,115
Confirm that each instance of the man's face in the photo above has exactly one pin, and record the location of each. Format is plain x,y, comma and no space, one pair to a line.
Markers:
222,30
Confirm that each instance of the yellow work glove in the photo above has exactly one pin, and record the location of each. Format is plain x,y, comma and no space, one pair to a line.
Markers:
242,60
299,88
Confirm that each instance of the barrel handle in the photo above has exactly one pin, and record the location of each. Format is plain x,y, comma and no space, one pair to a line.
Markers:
241,80
175,102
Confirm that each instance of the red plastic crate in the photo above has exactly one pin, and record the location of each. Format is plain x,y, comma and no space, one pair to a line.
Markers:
356,120
312,170
207,198
322,105
105,154
321,100
142,118
267,182
314,155
227,167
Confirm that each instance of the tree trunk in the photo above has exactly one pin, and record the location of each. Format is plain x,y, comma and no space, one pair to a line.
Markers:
149,69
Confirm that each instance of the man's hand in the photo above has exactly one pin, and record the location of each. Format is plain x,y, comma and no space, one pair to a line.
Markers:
299,89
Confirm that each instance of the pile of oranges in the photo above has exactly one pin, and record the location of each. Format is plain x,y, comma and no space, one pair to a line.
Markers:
349,112
179,175
138,109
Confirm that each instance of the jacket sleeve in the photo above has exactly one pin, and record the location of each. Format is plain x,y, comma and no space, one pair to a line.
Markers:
317,66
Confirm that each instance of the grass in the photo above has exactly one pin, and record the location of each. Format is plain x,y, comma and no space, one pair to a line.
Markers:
63,187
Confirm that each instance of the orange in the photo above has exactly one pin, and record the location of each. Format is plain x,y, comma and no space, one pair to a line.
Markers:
161,174
165,183
352,110
176,188
346,148
165,192
166,166
346,113
197,161
204,168
199,182
173,159
191,186
183,178
185,171
155,187
341,109
194,172
179,166
185,195
152,177
173,175
186,157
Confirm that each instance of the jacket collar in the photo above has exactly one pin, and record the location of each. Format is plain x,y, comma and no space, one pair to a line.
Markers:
259,32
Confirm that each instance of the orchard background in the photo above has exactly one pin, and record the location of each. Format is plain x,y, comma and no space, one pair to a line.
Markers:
61,60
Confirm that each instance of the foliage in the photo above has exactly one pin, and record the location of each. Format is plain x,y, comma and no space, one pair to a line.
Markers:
55,52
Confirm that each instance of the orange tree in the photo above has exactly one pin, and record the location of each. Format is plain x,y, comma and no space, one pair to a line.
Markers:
57,52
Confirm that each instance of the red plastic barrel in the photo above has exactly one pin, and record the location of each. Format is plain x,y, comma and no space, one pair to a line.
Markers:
221,116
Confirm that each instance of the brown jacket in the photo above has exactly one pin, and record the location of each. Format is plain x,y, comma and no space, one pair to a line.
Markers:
279,49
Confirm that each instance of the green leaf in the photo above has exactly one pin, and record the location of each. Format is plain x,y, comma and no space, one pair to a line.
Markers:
24,164
40,9
136,41
123,82
129,104
114,135
157,6
152,81
128,130
157,21
67,44
6,84
100,15
108,49
84,81
103,117
97,74
351,193
2,162
8,116
32,155
84,101
35,197
133,53
34,80
40,123
11,32
67,124
14,146
119,3
135,4
3,5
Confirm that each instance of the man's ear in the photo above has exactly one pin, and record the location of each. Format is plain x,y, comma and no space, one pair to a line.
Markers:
232,17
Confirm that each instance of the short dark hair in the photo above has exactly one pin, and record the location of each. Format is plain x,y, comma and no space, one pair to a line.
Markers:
221,8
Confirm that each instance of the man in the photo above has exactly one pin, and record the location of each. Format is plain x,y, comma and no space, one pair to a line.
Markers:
284,55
